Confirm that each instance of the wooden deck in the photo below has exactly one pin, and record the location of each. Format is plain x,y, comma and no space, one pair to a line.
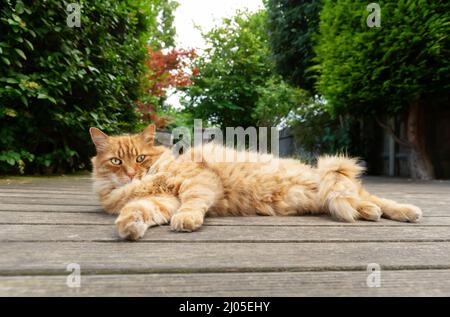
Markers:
47,223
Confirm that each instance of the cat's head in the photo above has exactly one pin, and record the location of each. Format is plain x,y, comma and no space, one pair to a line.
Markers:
123,158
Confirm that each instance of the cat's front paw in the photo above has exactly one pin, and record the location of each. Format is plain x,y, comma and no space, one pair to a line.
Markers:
186,221
132,223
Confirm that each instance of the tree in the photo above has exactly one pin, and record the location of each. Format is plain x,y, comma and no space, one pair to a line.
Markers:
236,85
292,26
162,33
56,81
400,67
235,62
168,69
277,101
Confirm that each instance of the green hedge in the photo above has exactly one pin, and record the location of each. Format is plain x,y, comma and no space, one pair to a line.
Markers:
56,81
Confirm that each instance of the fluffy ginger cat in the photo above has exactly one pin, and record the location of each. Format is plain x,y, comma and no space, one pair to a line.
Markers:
146,185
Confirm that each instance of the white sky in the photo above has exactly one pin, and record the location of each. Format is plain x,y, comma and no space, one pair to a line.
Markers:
206,14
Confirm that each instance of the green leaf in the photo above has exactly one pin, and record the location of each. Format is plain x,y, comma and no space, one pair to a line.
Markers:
19,7
29,45
6,61
93,69
11,81
11,112
21,53
16,17
45,96
24,100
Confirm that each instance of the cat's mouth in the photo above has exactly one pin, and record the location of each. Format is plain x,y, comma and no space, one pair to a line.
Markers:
120,181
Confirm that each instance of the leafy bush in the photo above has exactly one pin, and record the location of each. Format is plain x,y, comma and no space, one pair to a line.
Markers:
382,70
56,81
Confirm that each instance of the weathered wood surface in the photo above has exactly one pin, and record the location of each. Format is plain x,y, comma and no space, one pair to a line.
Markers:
328,283
47,223
97,257
211,233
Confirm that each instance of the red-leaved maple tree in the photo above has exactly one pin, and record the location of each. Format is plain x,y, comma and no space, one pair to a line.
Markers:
167,69
170,69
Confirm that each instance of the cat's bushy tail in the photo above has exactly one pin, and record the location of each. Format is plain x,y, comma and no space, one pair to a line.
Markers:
339,186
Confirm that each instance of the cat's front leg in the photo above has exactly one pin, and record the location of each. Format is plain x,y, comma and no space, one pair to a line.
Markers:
140,214
187,221
113,201
197,195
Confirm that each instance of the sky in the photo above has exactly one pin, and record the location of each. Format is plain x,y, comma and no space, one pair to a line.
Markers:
206,14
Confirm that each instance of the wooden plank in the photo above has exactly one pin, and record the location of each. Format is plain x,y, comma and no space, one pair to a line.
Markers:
65,205
87,187
44,192
26,191
48,194
43,178
96,217
51,186
50,208
55,183
20,258
72,190
6,197
91,201
337,283
374,184
48,233
324,220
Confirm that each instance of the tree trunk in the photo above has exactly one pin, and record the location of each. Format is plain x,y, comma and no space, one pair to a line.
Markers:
420,164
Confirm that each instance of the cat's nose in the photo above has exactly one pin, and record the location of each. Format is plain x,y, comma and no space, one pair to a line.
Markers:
131,175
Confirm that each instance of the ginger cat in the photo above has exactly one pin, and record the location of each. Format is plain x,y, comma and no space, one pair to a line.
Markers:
146,185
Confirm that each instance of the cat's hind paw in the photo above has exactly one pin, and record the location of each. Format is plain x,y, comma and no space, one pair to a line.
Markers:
403,212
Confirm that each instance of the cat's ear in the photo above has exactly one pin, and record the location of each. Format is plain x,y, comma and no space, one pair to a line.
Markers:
149,134
99,138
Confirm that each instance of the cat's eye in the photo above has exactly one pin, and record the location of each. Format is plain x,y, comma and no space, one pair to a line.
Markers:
140,158
116,161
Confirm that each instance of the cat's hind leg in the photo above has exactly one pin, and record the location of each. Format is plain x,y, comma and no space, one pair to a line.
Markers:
140,214
339,190
393,210
344,203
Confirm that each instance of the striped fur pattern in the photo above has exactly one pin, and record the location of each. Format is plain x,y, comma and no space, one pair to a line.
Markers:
146,185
